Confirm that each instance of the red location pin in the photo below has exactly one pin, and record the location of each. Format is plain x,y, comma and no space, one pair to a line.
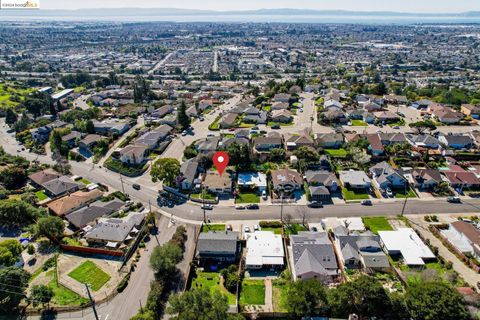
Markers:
220,159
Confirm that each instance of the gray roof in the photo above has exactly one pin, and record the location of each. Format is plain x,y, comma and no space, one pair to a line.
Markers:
84,216
313,252
318,190
114,229
61,185
189,169
217,242
323,178
366,246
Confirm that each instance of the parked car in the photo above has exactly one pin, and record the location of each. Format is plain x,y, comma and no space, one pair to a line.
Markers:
275,126
255,128
454,199
256,227
207,207
240,207
229,227
366,202
246,229
264,195
184,133
396,127
201,119
315,204
210,135
253,206
136,186
389,192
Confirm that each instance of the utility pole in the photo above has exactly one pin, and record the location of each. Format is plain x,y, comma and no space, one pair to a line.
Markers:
203,205
406,198
281,206
92,303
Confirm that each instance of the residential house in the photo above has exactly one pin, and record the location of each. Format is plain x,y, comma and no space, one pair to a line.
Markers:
336,116
72,202
266,144
376,146
321,184
361,250
228,121
88,215
264,251
281,97
297,140
354,179
372,107
457,141
465,237
471,110
188,172
462,179
72,138
192,111
328,104
41,134
313,257
133,154
255,180
38,179
283,116
384,176
111,127
423,141
60,186
152,138
329,140
207,145
286,180
390,139
395,99
115,232
218,184
218,247
280,106
87,144
426,179
162,111
257,118
386,116
445,114
406,243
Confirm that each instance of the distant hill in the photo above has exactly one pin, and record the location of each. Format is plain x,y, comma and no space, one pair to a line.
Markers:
193,12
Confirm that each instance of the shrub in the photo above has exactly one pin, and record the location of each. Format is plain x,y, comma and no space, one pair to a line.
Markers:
31,249
270,224
123,283
449,265
427,218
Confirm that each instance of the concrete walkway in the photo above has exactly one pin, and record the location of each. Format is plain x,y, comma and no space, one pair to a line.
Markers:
268,295
470,276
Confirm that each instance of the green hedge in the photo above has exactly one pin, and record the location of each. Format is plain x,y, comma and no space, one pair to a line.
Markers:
126,170
270,224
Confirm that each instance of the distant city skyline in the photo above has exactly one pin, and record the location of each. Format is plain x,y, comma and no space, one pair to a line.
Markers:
420,6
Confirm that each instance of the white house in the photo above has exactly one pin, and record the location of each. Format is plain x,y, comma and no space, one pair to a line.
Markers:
253,179
264,250
464,236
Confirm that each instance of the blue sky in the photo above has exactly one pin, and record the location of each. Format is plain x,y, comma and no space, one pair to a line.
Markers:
446,6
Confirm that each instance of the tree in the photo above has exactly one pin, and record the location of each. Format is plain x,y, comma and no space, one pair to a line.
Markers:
307,298
182,118
89,126
231,278
164,259
56,142
166,170
364,296
40,294
422,126
10,116
13,177
277,155
12,277
239,154
199,304
10,251
17,213
50,227
306,154
435,300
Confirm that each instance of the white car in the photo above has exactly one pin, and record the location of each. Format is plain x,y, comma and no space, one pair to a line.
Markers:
256,227
246,229
264,195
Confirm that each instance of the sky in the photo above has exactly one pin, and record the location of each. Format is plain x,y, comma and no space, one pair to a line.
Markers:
431,6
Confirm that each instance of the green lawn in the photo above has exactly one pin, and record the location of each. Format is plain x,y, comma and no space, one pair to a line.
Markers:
253,292
359,123
206,196
41,195
275,230
336,153
354,194
247,198
400,193
376,224
294,228
280,296
212,281
88,272
63,296
213,227
84,181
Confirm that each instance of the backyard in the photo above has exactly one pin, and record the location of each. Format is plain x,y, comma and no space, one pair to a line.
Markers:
359,123
247,198
280,296
253,292
41,195
213,282
376,224
336,153
354,194
89,272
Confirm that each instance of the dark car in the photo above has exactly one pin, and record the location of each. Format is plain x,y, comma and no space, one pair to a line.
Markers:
207,207
276,126
136,186
253,207
366,202
315,204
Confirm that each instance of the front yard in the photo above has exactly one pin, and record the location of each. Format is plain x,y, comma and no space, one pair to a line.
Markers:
206,196
376,224
247,198
359,123
213,282
88,272
400,193
253,293
294,228
354,194
213,227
